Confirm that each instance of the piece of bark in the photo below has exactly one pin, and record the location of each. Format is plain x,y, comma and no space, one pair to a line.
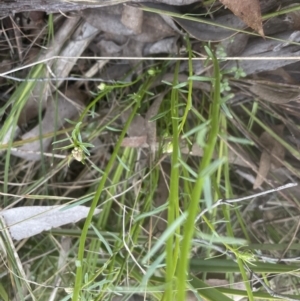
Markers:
9,7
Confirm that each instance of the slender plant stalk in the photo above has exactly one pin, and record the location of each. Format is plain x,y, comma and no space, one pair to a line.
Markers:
198,188
78,279
190,86
173,206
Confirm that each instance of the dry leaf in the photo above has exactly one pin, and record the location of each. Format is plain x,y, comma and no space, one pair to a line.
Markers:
273,153
284,76
151,125
132,18
293,17
168,45
293,38
235,45
275,92
279,152
111,20
28,221
37,16
141,126
263,170
137,127
202,31
135,142
64,109
248,11
109,48
265,48
267,140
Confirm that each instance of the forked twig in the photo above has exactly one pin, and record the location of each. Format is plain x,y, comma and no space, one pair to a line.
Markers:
236,200
230,201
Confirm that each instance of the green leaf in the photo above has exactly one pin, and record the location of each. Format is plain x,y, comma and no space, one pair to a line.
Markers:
201,78
180,85
62,140
210,169
66,147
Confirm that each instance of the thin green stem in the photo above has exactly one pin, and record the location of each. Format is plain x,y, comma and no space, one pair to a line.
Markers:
190,86
78,279
173,206
198,188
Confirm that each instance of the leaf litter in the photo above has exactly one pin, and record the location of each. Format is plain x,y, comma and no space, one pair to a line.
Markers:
27,221
273,153
242,8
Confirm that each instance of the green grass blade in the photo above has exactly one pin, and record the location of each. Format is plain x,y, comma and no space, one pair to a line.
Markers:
198,187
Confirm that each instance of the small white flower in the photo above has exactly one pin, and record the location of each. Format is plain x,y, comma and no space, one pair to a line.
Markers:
78,154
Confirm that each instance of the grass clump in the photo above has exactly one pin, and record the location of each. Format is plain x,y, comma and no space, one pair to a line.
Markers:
162,234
